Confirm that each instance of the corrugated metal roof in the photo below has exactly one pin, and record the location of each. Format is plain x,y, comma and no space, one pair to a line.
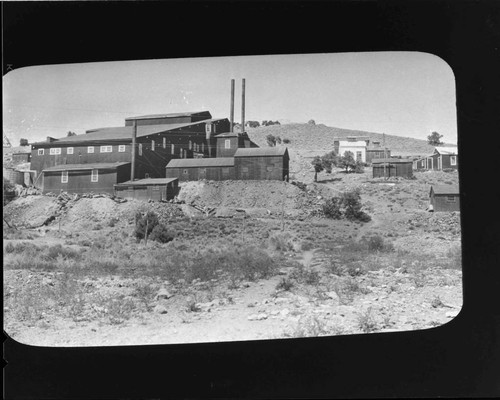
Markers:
447,150
148,181
390,161
201,162
124,132
445,189
71,167
169,115
260,151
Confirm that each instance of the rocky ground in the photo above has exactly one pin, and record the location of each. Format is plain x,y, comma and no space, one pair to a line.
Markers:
100,287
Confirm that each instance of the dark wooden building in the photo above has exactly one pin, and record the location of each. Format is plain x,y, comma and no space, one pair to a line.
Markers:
159,139
229,142
215,169
375,151
389,167
20,158
84,178
445,197
157,189
443,158
270,163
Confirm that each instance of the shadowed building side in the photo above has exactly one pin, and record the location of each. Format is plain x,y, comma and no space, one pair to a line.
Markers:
445,197
388,167
159,189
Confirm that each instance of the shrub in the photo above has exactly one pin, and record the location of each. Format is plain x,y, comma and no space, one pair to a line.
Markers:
281,241
351,202
162,234
331,208
144,224
287,141
366,321
359,167
377,243
285,284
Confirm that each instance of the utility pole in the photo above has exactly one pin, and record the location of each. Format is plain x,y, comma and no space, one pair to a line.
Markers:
385,156
134,136
231,111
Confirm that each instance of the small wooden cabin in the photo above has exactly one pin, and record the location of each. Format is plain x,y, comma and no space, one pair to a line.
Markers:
157,189
445,198
85,178
271,163
390,167
193,169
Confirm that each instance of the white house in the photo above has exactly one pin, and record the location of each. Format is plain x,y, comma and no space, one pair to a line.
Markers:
356,147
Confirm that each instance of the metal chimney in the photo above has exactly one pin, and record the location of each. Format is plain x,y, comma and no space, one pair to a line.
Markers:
243,105
231,118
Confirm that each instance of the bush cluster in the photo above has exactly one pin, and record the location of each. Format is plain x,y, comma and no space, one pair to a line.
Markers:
347,205
149,225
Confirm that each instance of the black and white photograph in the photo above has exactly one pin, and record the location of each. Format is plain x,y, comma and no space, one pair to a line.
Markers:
223,199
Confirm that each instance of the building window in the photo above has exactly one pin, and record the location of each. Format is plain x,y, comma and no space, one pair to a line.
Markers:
94,177
359,155
451,199
106,149
453,160
208,128
40,152
121,148
156,187
173,149
227,144
190,145
153,145
55,151
185,172
69,150
244,169
140,149
90,149
64,177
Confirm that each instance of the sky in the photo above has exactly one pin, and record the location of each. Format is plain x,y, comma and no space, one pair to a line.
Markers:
408,94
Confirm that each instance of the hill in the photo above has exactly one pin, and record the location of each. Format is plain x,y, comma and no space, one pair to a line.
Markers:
318,139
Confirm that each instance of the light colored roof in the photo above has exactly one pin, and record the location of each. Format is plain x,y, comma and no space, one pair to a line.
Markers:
169,115
71,167
228,134
447,150
260,151
445,189
147,182
123,132
201,162
358,143
391,161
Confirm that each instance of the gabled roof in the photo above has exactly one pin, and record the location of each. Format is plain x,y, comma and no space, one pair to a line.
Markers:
147,182
74,167
446,150
357,143
228,134
261,151
201,162
124,132
445,189
170,115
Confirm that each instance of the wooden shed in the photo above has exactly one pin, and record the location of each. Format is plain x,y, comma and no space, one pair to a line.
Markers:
85,178
193,169
271,163
445,198
157,189
389,167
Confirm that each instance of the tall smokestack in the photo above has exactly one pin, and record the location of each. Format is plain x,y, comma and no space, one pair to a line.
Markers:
243,105
134,136
231,118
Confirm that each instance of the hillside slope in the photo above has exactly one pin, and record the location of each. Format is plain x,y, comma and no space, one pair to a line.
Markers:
319,138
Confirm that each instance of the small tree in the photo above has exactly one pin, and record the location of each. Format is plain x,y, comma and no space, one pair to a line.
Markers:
434,139
252,124
347,161
311,122
278,140
318,165
359,168
351,201
329,161
70,133
144,224
23,142
271,140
